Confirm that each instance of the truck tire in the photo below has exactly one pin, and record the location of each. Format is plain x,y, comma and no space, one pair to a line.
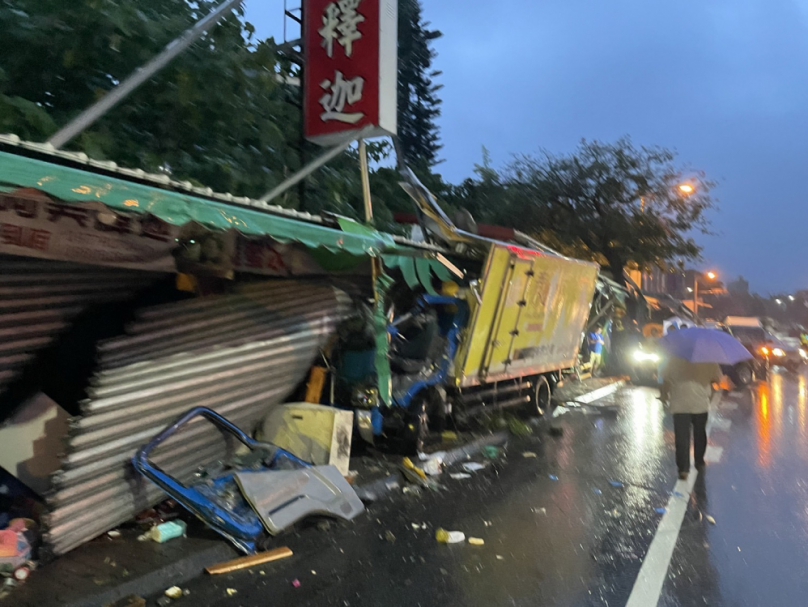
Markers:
541,399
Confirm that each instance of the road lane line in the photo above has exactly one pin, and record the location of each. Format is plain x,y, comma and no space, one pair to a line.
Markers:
648,586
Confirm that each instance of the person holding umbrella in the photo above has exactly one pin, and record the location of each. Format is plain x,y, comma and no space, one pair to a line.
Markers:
694,366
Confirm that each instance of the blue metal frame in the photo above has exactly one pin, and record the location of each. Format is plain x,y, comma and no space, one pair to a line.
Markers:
232,517
459,321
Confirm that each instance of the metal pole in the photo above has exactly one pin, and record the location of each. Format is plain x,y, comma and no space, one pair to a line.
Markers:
89,116
363,166
313,166
696,297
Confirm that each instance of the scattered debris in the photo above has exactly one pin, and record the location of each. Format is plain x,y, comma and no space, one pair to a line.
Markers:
163,601
164,532
476,541
433,463
114,534
710,519
231,592
473,466
539,510
560,410
517,427
553,477
414,489
616,484
449,436
449,537
250,561
597,491
491,452
418,526
460,476
296,583
129,601
500,557
408,466
661,510
175,592
390,537
529,454
487,523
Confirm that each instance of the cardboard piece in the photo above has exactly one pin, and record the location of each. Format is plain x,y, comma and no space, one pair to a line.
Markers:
315,433
31,441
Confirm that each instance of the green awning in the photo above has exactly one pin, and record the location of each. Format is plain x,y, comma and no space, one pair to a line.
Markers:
72,185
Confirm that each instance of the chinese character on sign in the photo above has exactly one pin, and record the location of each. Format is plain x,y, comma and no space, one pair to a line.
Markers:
341,23
341,92
57,211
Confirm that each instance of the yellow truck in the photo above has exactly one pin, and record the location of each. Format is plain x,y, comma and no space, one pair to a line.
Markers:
497,333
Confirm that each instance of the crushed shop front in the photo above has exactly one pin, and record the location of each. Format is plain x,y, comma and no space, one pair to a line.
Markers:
128,299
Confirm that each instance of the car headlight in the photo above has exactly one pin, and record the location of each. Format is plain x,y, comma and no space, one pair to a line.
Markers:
778,352
642,357
765,350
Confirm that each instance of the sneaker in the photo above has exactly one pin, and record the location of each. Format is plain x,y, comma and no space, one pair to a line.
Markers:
683,476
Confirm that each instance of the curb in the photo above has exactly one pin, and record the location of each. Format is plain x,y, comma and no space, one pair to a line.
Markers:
380,489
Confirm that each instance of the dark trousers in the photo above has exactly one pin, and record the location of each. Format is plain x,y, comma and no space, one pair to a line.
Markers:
681,429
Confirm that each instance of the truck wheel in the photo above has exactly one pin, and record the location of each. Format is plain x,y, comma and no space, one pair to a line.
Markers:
541,400
741,374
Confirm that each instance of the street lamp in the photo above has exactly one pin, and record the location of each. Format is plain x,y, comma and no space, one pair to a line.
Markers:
686,189
711,276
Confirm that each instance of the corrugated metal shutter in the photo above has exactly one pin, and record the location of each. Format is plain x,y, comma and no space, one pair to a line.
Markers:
39,298
238,354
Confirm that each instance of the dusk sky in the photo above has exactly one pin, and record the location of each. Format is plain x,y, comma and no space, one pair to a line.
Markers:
722,82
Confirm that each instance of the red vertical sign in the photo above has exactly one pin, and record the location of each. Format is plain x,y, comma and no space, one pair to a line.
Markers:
351,67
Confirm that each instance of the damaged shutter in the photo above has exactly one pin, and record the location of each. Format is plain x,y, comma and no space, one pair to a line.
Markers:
39,298
238,354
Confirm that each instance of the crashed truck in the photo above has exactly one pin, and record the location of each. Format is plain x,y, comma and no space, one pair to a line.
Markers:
492,326
128,299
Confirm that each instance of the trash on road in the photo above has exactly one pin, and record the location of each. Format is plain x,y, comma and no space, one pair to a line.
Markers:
231,592
552,477
296,583
491,452
432,463
597,491
539,510
661,510
560,410
616,484
449,436
459,476
476,541
175,592
390,536
500,557
250,561
473,466
529,454
449,537
164,532
710,519
114,534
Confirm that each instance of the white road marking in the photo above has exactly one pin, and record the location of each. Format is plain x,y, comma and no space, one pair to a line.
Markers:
648,586
603,392
713,454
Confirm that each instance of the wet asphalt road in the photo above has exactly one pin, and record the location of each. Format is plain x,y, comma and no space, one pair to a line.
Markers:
580,539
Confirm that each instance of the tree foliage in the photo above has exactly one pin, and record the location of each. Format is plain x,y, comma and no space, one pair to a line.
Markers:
216,116
612,202
418,101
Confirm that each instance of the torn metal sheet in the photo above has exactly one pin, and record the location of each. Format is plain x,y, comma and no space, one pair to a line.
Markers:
283,497
238,354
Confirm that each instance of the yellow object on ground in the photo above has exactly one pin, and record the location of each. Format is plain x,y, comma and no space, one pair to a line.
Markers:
315,433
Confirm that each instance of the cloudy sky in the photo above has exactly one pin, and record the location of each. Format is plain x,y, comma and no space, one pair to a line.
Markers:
722,82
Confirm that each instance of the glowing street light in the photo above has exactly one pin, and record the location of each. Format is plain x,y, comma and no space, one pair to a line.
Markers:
709,275
790,298
778,301
686,189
